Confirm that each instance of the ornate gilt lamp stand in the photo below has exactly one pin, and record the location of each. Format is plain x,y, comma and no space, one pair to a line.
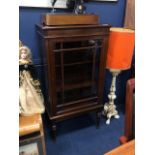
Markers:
110,108
119,56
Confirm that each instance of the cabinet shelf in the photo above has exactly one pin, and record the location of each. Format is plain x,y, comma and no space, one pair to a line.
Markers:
79,49
75,85
75,63
80,101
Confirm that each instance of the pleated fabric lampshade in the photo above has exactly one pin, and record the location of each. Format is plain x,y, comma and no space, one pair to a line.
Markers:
121,47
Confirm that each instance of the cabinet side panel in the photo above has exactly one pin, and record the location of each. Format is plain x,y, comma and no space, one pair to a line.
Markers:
102,68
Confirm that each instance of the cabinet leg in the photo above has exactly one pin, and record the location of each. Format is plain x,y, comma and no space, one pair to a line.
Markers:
54,128
97,119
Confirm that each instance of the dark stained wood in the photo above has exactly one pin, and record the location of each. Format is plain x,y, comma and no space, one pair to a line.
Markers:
93,66
73,33
103,58
70,86
77,107
98,119
76,49
76,61
62,73
54,128
51,76
128,131
77,112
70,19
89,99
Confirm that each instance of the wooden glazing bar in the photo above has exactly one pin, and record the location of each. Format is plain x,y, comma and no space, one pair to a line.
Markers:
78,107
94,62
76,85
88,99
62,72
75,49
75,63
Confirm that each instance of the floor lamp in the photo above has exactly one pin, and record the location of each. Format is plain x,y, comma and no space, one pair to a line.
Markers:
119,57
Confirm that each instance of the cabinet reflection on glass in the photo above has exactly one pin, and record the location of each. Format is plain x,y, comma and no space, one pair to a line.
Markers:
76,70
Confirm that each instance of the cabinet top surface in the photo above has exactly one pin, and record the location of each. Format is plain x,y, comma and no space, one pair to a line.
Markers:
44,27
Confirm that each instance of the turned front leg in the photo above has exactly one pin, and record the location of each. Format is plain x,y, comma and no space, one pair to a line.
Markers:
97,119
54,128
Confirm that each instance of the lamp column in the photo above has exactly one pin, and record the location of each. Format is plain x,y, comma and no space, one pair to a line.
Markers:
110,108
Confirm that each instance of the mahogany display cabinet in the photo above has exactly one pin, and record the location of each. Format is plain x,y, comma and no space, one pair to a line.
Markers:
74,60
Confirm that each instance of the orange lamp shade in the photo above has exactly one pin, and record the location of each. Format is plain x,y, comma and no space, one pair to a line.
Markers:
121,47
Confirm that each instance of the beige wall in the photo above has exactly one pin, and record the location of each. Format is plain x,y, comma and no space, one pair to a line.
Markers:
129,21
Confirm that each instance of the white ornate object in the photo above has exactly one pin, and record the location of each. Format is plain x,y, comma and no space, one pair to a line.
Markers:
110,107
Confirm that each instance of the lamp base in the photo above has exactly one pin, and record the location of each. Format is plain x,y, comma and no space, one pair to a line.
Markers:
110,111
110,108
